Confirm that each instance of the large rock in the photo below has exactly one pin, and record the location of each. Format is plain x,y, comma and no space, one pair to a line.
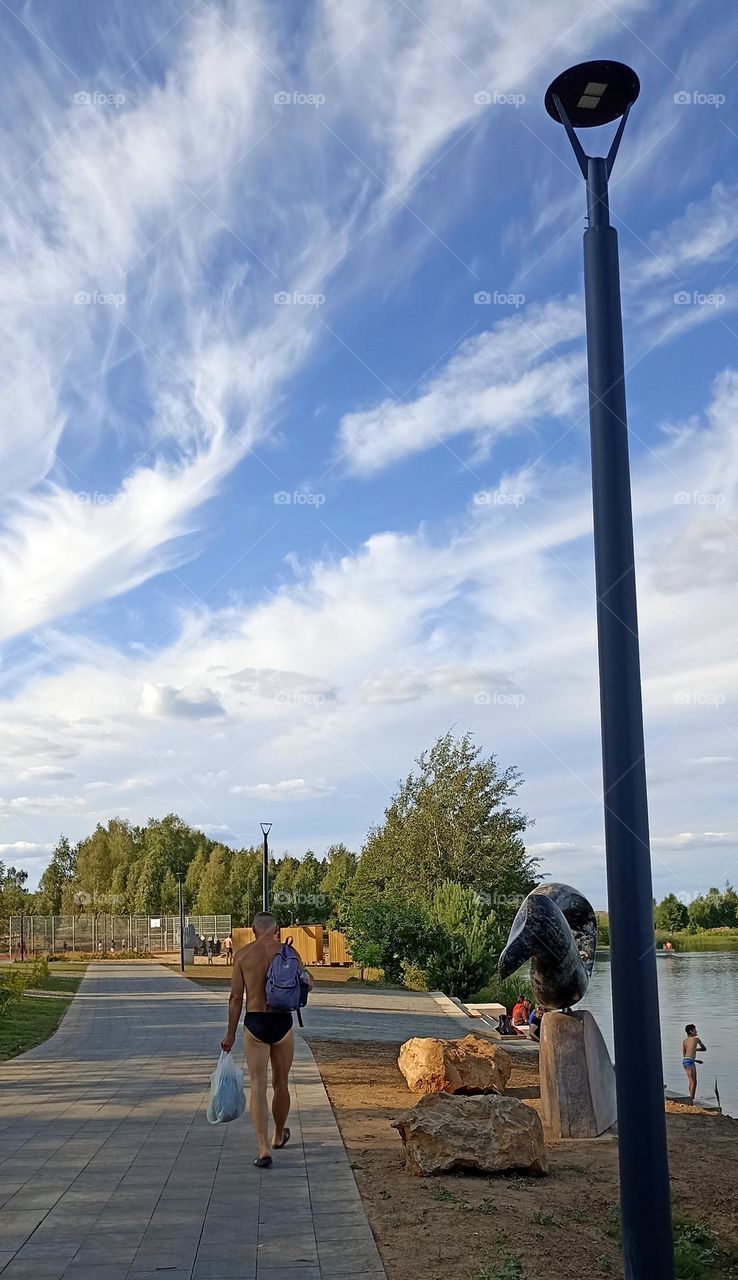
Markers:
471,1065
485,1134
577,1076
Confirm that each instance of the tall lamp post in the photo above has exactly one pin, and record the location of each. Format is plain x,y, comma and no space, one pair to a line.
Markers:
596,93
180,878
265,829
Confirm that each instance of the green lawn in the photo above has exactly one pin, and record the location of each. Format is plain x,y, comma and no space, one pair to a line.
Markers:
64,977
28,1023
33,1018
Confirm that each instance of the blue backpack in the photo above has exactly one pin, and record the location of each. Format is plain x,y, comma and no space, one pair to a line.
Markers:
284,990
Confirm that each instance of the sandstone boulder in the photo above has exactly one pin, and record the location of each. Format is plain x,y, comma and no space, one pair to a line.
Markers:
471,1065
484,1133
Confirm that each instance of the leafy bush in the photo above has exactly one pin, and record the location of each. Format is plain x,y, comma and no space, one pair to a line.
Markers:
506,992
38,975
387,933
695,1250
464,941
413,977
12,986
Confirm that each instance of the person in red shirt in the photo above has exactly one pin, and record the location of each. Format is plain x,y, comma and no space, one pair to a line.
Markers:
520,1016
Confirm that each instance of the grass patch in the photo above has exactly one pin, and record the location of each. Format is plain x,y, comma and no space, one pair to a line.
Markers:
695,1250
511,1268
63,978
28,1023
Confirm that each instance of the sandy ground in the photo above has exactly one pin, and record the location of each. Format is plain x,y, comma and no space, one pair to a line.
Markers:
456,1227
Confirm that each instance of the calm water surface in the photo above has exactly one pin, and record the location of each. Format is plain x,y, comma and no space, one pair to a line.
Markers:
699,987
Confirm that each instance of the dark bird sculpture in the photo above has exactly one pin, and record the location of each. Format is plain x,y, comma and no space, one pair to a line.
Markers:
556,929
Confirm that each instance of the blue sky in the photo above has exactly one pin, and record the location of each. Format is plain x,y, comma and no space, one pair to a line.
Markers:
294,431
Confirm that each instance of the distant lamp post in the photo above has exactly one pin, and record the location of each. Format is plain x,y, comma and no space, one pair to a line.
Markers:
180,879
596,93
265,829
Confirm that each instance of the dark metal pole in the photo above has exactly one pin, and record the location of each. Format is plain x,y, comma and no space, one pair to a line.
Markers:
181,923
644,1172
22,942
265,874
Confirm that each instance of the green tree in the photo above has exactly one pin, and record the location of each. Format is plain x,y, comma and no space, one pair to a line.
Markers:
212,898
14,897
451,820
310,901
671,915
705,911
283,873
465,941
245,887
340,869
387,932
59,873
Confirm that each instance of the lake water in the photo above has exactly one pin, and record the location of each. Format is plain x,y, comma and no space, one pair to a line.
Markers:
699,987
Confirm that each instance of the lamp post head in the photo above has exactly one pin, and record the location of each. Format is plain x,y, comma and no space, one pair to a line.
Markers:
593,93
265,827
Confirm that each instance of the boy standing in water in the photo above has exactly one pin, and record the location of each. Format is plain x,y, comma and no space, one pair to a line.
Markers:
690,1047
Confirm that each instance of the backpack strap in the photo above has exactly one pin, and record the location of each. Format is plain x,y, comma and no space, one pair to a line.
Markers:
299,1018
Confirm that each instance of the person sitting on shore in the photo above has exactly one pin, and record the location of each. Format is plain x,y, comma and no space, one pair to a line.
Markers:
534,1022
520,1016
690,1047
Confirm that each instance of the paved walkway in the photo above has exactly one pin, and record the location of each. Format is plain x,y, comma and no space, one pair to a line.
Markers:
109,1169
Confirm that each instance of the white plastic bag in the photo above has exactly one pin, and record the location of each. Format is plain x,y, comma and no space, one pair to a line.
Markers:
226,1091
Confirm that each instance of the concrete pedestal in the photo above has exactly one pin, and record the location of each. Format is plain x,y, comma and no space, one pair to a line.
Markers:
189,955
577,1077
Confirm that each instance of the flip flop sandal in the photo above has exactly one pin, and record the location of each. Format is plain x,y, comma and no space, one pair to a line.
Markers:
277,1146
263,1162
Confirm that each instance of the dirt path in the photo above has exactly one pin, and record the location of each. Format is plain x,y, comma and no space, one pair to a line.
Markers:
562,1225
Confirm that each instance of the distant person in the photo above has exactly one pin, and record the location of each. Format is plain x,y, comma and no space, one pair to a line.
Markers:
534,1022
520,1017
268,1037
228,948
209,950
691,1046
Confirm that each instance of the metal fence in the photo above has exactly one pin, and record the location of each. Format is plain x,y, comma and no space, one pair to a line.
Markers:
57,934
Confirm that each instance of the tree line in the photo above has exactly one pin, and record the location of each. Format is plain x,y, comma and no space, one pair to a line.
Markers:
429,899
715,909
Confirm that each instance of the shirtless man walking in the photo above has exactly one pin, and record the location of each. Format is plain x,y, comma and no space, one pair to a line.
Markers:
690,1048
268,1036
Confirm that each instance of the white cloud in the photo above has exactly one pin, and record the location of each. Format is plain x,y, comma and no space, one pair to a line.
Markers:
706,233
185,704
289,789
45,773
501,381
